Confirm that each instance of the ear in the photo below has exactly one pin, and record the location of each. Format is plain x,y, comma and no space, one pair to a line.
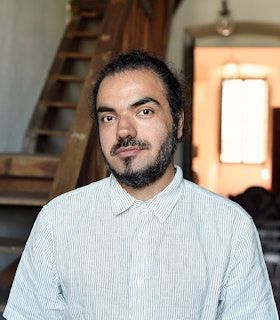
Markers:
181,125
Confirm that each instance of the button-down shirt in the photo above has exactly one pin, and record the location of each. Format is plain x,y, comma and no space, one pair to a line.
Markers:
98,253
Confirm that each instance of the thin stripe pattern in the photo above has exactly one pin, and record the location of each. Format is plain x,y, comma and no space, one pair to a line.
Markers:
97,253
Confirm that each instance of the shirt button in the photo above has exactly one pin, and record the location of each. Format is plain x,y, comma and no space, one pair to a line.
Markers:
140,236
139,282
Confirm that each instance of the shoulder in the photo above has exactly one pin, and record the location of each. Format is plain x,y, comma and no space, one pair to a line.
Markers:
219,223
82,194
217,208
76,204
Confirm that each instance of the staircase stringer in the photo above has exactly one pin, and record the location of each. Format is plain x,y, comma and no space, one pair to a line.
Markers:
73,157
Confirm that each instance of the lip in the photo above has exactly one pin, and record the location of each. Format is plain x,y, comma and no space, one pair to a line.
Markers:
127,152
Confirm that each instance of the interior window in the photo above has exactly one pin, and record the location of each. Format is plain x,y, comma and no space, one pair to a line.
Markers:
244,109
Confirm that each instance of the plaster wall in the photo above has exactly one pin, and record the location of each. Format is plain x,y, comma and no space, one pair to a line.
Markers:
30,32
253,62
196,12
224,178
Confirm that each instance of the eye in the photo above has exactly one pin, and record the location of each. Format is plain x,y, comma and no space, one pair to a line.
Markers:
107,118
145,112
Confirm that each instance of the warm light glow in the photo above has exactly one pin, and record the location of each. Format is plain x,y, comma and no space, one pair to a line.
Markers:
231,70
244,121
224,24
265,175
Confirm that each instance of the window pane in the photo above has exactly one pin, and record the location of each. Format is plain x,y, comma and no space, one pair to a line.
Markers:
254,121
243,121
231,126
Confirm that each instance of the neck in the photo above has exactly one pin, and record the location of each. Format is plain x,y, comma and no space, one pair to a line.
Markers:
154,188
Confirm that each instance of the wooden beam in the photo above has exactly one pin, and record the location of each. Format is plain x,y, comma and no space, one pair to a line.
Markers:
21,184
28,165
13,246
30,199
240,28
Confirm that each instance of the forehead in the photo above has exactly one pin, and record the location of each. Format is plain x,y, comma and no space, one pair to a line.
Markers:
140,81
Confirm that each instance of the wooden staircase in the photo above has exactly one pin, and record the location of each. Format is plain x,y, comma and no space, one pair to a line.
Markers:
60,150
50,124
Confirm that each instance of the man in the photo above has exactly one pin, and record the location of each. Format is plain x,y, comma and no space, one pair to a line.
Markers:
143,243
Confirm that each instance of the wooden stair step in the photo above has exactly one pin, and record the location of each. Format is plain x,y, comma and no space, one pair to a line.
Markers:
89,8
24,187
23,198
12,245
75,55
49,132
68,78
25,165
59,104
25,180
90,14
83,34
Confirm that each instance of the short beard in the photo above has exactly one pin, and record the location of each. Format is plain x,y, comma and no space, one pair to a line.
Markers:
138,179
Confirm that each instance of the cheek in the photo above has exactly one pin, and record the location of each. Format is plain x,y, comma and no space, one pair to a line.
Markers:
158,131
105,141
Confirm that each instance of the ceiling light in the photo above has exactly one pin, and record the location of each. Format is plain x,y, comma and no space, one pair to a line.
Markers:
224,24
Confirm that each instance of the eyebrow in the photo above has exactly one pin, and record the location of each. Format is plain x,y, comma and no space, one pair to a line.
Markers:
144,101
137,103
101,109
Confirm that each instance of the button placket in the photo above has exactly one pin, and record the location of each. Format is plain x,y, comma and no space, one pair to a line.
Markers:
139,258
140,281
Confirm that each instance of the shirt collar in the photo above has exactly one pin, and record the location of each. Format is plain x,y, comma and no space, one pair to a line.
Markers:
161,204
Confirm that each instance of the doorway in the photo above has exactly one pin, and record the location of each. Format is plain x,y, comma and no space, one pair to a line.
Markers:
209,68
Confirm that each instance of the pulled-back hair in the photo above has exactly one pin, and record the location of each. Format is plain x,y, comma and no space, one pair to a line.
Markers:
137,60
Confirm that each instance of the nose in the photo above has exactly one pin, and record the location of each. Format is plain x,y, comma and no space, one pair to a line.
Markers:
126,127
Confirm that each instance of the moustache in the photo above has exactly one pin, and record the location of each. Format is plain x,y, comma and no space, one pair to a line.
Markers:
129,142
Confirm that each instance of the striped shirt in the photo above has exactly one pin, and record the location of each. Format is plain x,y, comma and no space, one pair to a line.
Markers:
98,253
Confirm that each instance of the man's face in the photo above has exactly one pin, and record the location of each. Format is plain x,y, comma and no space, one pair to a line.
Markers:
136,127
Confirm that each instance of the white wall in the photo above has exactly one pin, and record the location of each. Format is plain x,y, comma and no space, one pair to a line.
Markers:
30,31
206,125
253,62
195,12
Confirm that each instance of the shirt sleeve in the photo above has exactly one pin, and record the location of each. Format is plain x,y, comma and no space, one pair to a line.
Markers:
36,292
247,292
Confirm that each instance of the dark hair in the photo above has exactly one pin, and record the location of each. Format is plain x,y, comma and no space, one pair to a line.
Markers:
139,59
